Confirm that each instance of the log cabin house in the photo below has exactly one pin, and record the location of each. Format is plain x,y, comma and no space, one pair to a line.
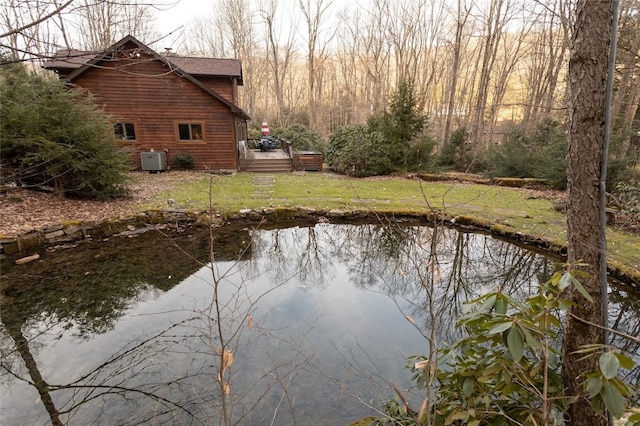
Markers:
163,103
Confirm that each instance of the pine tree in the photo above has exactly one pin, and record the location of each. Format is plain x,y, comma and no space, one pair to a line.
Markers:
54,136
402,127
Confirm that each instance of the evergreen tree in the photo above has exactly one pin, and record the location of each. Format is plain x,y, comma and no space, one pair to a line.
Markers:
455,153
52,135
402,128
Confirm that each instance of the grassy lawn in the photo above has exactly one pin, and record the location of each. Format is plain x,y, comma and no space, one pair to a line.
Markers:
504,208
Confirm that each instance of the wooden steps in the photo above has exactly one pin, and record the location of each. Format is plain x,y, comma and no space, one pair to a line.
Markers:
266,165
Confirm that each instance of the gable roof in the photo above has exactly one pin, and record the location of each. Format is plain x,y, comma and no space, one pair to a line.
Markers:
72,59
77,62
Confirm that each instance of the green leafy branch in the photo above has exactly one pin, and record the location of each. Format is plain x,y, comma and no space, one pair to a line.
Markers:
507,370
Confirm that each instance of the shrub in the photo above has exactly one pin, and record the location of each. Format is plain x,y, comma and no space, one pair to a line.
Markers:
540,155
628,197
392,141
254,133
183,161
301,138
55,136
505,370
357,151
624,155
418,155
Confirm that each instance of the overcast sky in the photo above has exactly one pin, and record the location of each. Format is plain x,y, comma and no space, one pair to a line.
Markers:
171,18
185,11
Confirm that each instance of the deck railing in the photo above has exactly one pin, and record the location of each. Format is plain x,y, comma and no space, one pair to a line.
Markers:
286,147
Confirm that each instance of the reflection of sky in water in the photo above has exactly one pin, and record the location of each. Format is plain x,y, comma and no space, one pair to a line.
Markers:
325,328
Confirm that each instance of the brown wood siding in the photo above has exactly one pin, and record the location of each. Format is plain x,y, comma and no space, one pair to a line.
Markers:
221,85
148,94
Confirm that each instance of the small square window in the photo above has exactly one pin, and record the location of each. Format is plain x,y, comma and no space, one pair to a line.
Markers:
190,131
124,131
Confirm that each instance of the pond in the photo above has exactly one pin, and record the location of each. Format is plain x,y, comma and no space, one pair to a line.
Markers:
301,325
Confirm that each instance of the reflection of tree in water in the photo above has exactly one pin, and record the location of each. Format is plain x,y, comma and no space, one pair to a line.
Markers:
433,271
411,262
302,253
130,376
624,315
85,290
168,376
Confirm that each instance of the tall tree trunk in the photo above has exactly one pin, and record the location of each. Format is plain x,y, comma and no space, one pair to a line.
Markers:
588,68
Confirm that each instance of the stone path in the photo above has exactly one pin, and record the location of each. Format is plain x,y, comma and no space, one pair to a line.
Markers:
263,186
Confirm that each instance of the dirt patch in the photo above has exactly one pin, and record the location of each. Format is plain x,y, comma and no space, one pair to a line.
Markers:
23,210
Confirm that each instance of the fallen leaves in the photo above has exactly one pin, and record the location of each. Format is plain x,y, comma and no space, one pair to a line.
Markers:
23,210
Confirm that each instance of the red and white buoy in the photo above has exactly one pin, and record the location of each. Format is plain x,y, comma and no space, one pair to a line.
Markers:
265,128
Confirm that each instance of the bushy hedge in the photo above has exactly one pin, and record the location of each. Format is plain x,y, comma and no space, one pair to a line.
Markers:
456,154
358,151
254,133
183,161
539,155
301,138
627,196
53,136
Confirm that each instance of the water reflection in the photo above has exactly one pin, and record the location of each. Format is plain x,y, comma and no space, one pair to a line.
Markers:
319,319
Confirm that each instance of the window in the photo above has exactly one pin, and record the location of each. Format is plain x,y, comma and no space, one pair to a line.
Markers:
190,131
124,131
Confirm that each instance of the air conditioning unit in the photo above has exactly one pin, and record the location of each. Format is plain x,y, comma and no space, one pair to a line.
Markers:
153,161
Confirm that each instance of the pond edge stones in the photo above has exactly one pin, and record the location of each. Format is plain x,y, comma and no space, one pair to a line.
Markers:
127,225
72,231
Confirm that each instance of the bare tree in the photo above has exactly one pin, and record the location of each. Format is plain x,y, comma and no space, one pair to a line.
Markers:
230,31
626,100
414,34
314,13
376,56
100,24
462,16
347,99
30,28
495,21
36,29
206,35
549,46
279,56
511,53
